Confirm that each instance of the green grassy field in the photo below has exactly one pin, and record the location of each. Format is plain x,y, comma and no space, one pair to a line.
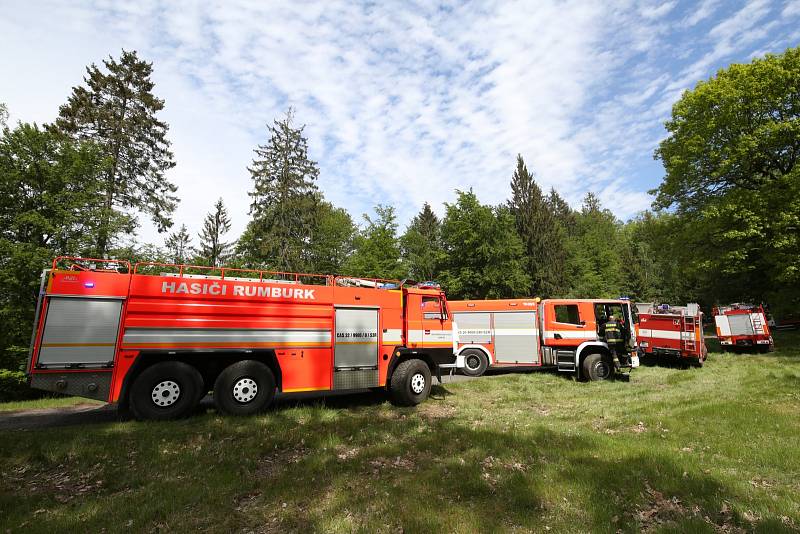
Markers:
697,450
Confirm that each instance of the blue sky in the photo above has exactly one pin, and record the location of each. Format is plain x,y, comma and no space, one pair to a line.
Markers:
402,102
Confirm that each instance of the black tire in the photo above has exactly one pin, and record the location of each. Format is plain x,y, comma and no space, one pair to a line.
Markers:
410,383
165,390
597,367
244,388
475,362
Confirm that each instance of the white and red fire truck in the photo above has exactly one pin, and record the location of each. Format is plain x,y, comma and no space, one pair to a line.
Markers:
672,331
562,334
743,326
158,337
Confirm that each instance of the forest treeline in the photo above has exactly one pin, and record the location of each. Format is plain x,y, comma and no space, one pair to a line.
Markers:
724,223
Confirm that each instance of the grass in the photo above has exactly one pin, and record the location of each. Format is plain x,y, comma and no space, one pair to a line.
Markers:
46,402
697,450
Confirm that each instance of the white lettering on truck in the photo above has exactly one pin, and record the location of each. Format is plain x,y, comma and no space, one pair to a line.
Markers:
238,290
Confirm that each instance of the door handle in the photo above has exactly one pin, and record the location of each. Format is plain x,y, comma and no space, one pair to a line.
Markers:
427,331
557,336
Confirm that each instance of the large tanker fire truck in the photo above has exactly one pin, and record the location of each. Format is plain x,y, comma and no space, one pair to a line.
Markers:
562,334
158,337
743,326
672,331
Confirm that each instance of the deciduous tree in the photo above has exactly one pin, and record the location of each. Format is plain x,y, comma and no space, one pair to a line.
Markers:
49,191
331,240
732,175
376,251
484,256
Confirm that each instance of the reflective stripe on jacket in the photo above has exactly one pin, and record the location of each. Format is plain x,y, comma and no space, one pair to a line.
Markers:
613,333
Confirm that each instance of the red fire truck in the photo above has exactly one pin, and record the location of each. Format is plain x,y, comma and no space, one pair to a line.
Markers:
672,331
743,326
560,334
158,337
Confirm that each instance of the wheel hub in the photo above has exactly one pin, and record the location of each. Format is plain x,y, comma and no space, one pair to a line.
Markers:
166,393
602,369
473,362
418,383
245,390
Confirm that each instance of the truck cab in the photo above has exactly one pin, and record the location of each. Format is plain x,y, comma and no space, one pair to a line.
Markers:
572,332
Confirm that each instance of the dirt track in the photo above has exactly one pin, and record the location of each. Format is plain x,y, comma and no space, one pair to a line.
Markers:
79,414
82,414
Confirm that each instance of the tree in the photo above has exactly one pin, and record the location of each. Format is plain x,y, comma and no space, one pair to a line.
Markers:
733,179
3,115
284,199
484,257
178,245
642,278
421,245
539,231
595,265
376,251
213,250
117,111
48,206
561,211
331,239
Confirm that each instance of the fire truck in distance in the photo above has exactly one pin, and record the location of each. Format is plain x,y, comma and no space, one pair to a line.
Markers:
157,337
743,326
672,331
560,334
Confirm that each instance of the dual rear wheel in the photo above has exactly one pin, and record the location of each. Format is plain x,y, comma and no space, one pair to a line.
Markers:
172,390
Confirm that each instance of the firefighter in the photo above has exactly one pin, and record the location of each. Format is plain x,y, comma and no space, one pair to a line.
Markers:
614,336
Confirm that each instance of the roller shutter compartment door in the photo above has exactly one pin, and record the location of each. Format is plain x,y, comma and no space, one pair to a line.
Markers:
516,337
741,325
473,327
80,331
355,358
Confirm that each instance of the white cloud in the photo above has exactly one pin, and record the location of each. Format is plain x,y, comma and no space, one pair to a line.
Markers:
403,103
703,11
791,9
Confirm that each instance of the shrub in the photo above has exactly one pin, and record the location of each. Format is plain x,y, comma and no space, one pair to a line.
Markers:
13,386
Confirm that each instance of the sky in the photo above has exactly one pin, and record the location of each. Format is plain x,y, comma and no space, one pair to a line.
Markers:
402,102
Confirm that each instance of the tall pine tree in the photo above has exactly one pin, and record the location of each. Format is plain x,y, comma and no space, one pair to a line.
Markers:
213,250
284,199
178,245
117,111
562,211
540,234
422,244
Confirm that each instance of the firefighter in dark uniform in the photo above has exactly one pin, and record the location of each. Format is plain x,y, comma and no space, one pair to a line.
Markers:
614,334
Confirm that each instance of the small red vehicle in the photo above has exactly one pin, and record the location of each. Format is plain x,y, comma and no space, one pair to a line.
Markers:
743,327
672,331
